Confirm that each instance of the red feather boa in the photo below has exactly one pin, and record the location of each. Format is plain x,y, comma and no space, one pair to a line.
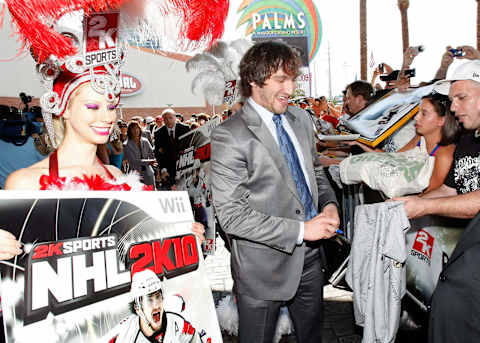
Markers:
94,183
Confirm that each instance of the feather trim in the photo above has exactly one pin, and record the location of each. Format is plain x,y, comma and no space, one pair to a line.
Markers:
129,182
227,314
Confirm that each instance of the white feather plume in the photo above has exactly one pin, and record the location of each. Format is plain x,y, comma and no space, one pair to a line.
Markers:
241,45
227,314
284,325
211,85
156,22
219,49
215,66
203,62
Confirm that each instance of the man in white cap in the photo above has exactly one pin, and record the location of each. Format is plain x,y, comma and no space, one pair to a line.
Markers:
149,322
455,304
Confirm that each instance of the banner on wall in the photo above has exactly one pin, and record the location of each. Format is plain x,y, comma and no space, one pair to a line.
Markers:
104,267
193,170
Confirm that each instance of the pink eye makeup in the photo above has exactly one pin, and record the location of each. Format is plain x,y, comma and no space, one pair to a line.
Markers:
91,106
111,107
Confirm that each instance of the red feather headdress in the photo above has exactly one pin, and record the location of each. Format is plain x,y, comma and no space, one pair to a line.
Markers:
200,20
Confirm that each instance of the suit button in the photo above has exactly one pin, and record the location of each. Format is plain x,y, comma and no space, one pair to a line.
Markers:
442,277
297,211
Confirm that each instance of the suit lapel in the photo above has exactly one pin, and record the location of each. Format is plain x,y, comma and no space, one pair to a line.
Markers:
469,238
256,125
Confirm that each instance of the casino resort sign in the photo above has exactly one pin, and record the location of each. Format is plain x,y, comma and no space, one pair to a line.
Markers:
282,18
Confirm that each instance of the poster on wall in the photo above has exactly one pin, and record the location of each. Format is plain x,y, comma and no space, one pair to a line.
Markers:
193,170
104,267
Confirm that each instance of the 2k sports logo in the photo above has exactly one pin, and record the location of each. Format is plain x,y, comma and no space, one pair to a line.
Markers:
101,32
423,243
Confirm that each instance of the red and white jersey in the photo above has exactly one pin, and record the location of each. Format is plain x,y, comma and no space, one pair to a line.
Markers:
197,192
177,330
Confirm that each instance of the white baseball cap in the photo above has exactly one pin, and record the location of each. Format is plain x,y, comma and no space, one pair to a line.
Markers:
467,71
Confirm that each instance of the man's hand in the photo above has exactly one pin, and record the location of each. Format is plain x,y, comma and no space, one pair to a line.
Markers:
414,206
331,211
199,231
322,226
9,246
409,56
470,53
447,58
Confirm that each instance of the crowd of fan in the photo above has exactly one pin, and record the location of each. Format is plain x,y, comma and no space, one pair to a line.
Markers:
139,145
131,147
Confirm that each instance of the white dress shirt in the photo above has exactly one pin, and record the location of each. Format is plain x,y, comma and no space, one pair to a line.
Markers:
267,118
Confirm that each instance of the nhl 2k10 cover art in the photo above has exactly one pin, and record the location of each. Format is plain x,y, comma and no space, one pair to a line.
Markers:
118,267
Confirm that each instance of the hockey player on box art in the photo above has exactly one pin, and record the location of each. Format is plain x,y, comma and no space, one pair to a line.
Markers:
149,322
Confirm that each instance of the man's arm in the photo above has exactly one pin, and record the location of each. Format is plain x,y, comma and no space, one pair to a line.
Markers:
440,192
408,57
447,59
443,202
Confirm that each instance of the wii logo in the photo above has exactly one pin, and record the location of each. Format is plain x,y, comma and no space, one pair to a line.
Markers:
173,205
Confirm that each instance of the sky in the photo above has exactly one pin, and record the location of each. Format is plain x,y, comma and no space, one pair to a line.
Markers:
432,23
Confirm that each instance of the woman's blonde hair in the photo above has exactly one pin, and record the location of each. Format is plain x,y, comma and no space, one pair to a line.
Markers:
58,131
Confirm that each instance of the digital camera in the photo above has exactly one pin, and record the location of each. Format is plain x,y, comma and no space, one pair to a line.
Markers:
457,52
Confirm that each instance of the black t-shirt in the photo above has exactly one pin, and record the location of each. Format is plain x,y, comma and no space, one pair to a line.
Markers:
464,175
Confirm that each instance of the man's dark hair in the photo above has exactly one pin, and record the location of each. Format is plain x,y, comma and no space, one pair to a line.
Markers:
362,88
203,116
264,59
132,307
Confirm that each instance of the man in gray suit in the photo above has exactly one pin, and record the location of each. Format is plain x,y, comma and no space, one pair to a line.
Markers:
272,199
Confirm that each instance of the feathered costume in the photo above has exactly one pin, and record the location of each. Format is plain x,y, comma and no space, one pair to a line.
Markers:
65,37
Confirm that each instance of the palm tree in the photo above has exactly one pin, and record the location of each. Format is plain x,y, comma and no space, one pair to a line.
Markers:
403,6
363,39
478,25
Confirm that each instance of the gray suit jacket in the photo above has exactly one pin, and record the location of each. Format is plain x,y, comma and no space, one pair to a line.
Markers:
257,202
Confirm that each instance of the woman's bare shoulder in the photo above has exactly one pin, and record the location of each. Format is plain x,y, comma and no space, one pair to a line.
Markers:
447,150
27,178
